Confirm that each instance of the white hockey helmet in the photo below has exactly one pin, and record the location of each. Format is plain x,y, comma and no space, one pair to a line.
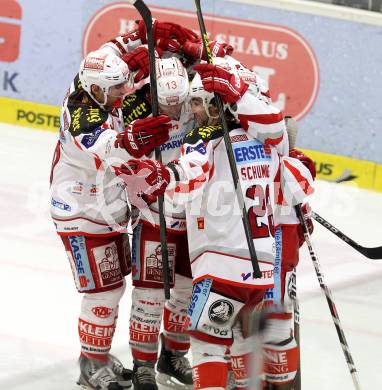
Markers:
172,81
106,70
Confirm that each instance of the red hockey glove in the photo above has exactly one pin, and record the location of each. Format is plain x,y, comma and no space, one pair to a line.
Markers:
142,136
306,213
166,44
138,60
307,161
167,30
195,50
217,79
155,174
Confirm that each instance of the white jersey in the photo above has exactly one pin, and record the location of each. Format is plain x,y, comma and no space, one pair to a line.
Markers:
86,195
255,111
217,243
174,214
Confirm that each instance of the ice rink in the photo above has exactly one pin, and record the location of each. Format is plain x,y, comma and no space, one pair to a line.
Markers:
39,304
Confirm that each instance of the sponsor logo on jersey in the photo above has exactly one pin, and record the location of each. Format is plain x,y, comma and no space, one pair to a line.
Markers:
81,263
95,337
200,223
90,139
154,264
60,205
199,297
174,144
239,138
107,260
77,188
174,224
93,190
199,147
102,311
264,274
220,311
268,294
250,151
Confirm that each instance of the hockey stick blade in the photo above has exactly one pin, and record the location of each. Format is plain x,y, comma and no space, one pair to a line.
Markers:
371,253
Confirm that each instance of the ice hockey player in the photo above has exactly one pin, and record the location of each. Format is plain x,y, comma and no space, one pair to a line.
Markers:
89,205
280,338
222,272
148,301
172,367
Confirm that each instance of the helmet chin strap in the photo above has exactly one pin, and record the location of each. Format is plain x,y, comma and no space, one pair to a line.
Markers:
102,105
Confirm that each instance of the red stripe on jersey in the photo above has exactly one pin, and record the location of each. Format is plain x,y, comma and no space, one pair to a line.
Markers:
77,144
266,94
120,47
280,316
233,283
229,255
97,161
304,183
263,119
273,141
279,196
56,158
193,184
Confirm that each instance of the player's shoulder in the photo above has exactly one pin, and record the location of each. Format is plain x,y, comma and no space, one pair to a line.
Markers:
204,133
137,105
85,115
85,119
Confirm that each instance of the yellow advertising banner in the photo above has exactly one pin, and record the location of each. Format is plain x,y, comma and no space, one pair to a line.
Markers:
330,167
29,114
342,169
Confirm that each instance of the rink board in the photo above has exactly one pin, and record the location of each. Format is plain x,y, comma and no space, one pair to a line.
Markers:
330,167
336,102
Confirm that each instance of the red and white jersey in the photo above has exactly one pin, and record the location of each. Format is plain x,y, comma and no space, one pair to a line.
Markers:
255,110
86,195
174,214
123,44
217,242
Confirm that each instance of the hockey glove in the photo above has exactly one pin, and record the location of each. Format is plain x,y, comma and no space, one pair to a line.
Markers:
142,136
153,172
138,60
217,79
307,161
167,30
306,213
196,51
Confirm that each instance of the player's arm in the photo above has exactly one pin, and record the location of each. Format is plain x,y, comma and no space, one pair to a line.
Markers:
92,134
256,115
297,180
195,166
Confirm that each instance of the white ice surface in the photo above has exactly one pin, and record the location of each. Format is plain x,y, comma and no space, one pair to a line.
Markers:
39,304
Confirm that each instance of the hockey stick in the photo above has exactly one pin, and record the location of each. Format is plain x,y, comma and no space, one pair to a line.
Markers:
231,158
145,13
329,299
371,253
